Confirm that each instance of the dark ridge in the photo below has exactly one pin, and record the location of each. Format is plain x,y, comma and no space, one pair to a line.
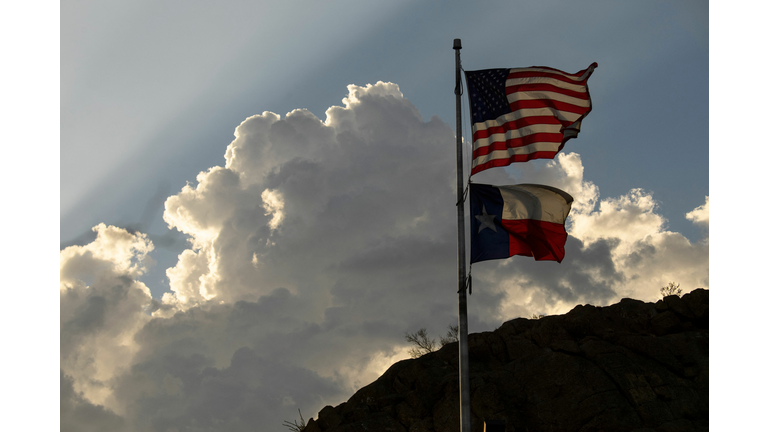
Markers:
631,366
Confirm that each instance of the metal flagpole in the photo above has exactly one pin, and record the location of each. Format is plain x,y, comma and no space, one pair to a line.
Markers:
463,333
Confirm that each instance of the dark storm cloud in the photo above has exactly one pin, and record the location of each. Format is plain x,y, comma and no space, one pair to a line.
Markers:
238,365
587,276
77,414
247,394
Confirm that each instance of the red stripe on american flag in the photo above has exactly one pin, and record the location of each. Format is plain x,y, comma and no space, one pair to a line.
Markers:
548,103
517,124
579,73
514,158
517,142
547,87
578,80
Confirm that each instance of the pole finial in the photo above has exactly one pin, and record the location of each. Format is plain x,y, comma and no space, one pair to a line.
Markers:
457,44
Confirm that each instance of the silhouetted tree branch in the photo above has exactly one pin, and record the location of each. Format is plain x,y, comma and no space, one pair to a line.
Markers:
451,336
296,426
423,344
671,289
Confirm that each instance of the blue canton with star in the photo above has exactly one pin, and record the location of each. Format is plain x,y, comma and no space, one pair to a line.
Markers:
489,239
487,94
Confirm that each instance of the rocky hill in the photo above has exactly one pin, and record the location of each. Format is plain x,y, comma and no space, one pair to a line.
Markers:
632,366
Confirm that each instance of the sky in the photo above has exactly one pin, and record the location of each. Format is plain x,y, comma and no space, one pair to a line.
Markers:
152,93
256,199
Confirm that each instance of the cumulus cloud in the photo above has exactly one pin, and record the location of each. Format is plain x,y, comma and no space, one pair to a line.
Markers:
312,250
102,306
700,215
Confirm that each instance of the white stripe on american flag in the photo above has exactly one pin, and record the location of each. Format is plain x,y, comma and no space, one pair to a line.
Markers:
517,133
506,153
530,112
581,88
536,95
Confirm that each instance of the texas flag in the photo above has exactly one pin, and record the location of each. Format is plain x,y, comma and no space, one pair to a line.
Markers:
525,219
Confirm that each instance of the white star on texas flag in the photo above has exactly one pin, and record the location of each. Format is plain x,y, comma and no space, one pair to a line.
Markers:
486,221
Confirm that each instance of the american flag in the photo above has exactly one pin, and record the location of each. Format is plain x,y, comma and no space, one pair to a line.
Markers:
524,113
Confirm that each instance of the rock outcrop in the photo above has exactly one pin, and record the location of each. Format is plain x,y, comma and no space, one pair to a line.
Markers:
632,366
